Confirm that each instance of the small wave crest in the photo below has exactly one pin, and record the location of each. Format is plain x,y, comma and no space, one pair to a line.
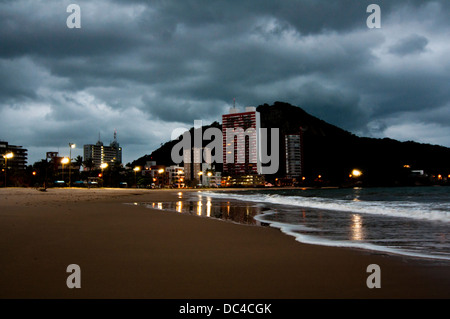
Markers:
423,211
296,232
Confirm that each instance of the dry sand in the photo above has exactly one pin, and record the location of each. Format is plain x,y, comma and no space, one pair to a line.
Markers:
128,251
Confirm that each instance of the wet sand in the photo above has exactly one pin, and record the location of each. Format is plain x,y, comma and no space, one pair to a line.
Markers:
129,251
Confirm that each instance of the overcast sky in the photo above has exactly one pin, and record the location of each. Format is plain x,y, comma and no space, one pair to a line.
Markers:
148,67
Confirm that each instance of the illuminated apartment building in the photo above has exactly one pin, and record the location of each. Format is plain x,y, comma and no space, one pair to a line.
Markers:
103,154
19,158
293,154
240,150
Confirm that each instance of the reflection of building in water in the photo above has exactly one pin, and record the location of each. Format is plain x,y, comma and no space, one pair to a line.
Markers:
179,207
357,228
242,213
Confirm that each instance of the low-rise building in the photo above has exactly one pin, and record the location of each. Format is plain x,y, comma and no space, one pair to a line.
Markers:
18,160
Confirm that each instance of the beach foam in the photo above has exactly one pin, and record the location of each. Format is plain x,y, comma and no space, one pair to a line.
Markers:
423,211
411,228
293,230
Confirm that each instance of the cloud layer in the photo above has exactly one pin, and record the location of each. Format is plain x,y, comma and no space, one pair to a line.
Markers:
147,67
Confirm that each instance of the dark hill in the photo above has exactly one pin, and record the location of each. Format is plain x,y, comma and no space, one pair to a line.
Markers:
162,155
332,152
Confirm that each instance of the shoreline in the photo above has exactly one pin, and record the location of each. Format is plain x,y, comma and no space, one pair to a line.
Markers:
138,252
285,228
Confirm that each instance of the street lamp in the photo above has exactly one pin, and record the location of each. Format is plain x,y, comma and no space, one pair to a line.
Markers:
65,160
103,166
71,145
200,177
209,174
6,156
356,173
136,169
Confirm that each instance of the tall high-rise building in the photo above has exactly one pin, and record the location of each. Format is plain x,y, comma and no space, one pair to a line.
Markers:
20,155
293,154
196,161
103,154
240,142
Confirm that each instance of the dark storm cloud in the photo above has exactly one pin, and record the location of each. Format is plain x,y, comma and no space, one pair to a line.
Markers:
146,67
410,45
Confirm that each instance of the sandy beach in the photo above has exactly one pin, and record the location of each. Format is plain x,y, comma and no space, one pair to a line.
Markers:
129,251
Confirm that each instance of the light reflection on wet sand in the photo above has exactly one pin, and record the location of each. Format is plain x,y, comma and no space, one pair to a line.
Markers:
235,211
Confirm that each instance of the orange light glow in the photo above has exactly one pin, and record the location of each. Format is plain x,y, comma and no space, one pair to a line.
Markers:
356,173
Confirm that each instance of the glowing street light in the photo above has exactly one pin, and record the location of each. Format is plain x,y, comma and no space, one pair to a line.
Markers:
136,169
6,157
103,166
64,161
356,173
209,174
71,145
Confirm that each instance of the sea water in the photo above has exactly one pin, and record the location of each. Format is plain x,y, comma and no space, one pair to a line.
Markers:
412,221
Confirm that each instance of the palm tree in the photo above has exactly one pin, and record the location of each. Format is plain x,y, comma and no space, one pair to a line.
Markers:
78,161
89,164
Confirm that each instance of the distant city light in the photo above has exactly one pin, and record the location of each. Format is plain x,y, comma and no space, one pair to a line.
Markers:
65,160
356,173
137,169
104,165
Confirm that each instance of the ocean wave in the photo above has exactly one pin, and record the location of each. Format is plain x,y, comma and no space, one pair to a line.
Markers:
292,230
403,209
